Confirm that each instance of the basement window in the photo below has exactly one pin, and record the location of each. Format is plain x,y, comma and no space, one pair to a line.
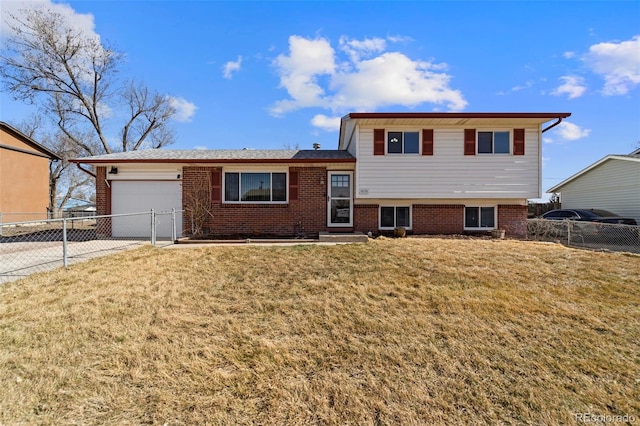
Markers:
479,218
394,217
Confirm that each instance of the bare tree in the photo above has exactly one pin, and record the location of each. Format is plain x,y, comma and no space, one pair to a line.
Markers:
65,180
72,76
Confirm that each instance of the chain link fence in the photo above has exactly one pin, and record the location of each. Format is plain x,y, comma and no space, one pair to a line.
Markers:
592,235
39,245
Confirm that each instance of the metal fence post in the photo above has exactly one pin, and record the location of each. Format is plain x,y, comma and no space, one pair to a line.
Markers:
174,231
65,261
569,233
153,227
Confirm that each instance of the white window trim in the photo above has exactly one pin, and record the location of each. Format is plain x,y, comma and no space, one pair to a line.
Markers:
387,228
481,228
403,131
493,130
224,183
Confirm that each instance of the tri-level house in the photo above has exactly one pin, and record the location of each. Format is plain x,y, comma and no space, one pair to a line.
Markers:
431,173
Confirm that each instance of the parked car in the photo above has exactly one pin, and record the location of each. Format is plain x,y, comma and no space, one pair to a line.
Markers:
590,215
596,226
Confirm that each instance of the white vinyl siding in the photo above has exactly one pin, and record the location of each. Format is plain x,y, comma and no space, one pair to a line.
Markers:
448,173
613,185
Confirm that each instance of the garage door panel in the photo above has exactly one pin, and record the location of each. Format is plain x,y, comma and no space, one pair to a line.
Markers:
128,197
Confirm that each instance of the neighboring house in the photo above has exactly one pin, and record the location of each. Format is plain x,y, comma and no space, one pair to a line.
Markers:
24,176
611,183
428,172
80,210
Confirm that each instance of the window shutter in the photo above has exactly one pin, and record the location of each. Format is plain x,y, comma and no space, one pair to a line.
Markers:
427,141
378,142
518,141
293,185
216,186
469,141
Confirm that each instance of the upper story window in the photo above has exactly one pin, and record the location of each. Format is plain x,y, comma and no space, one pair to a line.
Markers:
262,187
496,142
396,142
403,142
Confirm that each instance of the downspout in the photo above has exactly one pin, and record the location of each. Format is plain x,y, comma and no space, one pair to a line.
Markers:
540,148
85,170
553,125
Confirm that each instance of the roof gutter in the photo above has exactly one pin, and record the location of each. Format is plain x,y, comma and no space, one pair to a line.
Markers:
214,160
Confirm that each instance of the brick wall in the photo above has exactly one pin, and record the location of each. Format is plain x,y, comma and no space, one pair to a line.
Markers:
438,219
513,219
443,219
365,218
305,216
426,219
103,203
101,191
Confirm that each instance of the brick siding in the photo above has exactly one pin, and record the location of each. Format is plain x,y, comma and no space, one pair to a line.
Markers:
438,219
513,219
103,203
442,219
365,218
305,216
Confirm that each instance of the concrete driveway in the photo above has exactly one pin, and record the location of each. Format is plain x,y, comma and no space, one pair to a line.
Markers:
20,259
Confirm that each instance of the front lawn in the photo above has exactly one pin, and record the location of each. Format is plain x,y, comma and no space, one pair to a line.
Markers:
411,331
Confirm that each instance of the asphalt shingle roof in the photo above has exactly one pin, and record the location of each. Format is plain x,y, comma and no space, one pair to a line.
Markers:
195,155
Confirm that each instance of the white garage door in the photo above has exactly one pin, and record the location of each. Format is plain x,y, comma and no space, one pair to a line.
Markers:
137,197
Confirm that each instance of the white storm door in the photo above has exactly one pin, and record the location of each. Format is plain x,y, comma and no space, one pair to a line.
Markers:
340,199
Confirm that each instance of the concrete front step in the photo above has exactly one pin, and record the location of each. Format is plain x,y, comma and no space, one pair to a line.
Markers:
350,237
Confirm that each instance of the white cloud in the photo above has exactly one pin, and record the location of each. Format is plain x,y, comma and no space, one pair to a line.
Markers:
574,87
571,132
394,79
618,63
526,85
326,123
200,148
359,48
230,67
314,76
569,55
399,39
547,140
78,21
299,72
185,110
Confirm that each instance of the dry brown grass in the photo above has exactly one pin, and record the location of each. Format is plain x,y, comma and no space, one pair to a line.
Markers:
407,331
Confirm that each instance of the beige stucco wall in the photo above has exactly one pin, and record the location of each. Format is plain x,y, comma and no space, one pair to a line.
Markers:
24,180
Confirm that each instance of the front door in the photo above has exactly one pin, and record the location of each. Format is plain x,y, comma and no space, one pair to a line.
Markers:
340,199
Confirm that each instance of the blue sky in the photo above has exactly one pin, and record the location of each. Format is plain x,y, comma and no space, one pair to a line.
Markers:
279,74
